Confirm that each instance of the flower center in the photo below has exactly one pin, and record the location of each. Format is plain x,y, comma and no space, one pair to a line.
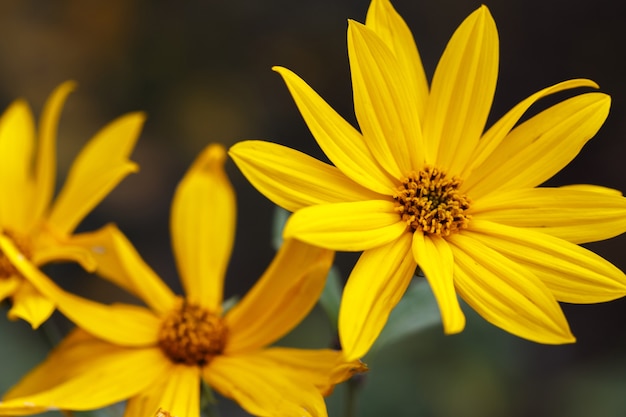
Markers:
23,244
192,335
429,201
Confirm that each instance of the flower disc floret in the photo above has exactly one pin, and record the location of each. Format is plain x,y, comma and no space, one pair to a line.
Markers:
431,202
23,244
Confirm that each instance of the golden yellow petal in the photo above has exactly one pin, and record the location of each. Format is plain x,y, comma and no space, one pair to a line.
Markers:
282,297
9,285
202,226
435,258
292,179
342,143
64,252
374,287
99,167
353,226
30,305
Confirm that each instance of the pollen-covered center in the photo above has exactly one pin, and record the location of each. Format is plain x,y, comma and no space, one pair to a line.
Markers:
430,201
23,244
192,335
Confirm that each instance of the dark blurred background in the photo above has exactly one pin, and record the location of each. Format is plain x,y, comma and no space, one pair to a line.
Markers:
202,72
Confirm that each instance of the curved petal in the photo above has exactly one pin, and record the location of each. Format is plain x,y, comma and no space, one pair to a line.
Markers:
387,114
84,373
63,252
281,298
30,305
572,273
99,167
342,143
540,147
262,388
462,91
436,260
578,215
506,294
202,226
292,179
9,285
346,226
374,287
383,19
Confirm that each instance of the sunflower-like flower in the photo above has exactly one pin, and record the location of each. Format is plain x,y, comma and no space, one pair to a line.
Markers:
424,184
37,226
156,356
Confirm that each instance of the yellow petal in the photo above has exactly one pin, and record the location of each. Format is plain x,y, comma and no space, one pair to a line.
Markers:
576,214
99,167
8,286
63,252
387,114
30,305
462,91
383,19
539,148
342,143
282,297
354,226
262,388
292,179
506,294
572,273
374,287
202,226
435,259
84,373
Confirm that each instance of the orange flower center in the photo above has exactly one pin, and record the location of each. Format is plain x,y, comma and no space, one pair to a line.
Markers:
192,335
23,244
429,201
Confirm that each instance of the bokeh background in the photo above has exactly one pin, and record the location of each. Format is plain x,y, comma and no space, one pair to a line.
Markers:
202,72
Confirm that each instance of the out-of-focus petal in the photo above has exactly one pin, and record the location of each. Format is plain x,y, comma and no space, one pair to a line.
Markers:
30,305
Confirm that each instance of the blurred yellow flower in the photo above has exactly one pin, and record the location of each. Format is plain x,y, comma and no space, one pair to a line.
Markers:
38,227
156,356
423,184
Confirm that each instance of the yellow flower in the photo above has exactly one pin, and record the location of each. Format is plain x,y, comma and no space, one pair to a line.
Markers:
423,184
156,356
38,227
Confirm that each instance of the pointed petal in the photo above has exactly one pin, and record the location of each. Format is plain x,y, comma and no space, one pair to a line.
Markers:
202,227
374,287
387,114
435,259
118,261
505,293
282,297
84,373
462,91
45,165
572,273
30,305
342,143
383,19
99,167
539,148
496,133
292,179
353,226
263,389
578,215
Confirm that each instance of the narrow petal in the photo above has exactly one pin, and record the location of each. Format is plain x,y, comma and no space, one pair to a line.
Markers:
282,297
383,19
346,226
202,227
64,253
576,214
462,91
84,373
263,389
30,305
374,287
292,179
539,148
572,273
387,114
342,143
506,294
435,258
99,167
